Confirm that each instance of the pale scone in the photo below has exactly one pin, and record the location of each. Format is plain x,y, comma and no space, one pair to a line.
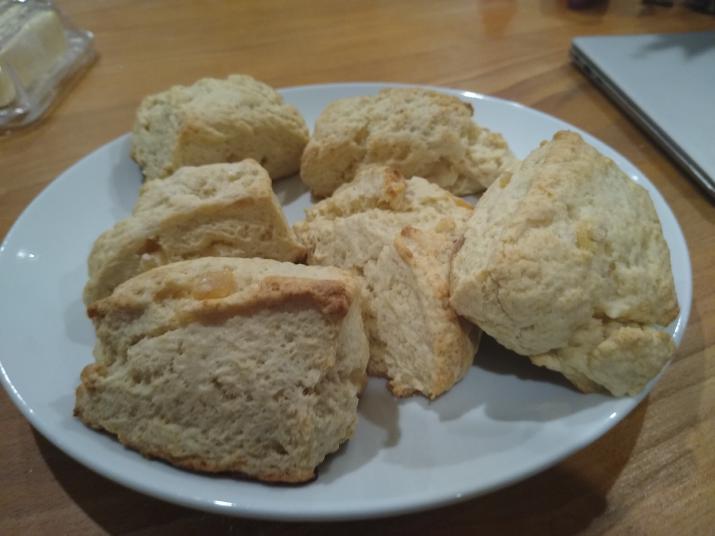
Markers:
565,261
215,121
220,210
416,131
352,226
417,341
229,365
399,235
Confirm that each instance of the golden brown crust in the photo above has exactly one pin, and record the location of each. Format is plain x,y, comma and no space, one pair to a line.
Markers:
331,298
214,290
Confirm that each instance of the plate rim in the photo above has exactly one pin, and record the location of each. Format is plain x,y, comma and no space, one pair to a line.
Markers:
384,509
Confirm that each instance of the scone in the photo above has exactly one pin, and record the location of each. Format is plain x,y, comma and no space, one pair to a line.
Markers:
399,235
565,261
215,121
221,210
241,365
417,341
416,131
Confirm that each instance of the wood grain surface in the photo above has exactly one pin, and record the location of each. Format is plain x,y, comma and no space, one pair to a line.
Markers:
654,473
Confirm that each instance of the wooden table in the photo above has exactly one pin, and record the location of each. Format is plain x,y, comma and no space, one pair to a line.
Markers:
654,473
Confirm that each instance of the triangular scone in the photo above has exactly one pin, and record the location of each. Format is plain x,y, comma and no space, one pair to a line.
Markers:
570,243
361,228
416,131
416,338
239,365
214,121
352,226
226,210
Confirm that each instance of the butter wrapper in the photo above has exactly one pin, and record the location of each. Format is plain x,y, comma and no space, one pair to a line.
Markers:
40,53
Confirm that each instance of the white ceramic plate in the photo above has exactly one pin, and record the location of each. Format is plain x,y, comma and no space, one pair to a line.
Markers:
505,421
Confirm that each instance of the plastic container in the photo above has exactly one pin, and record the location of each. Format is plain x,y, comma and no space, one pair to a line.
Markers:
40,53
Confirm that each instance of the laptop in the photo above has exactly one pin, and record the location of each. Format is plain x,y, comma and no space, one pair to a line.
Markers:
666,82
